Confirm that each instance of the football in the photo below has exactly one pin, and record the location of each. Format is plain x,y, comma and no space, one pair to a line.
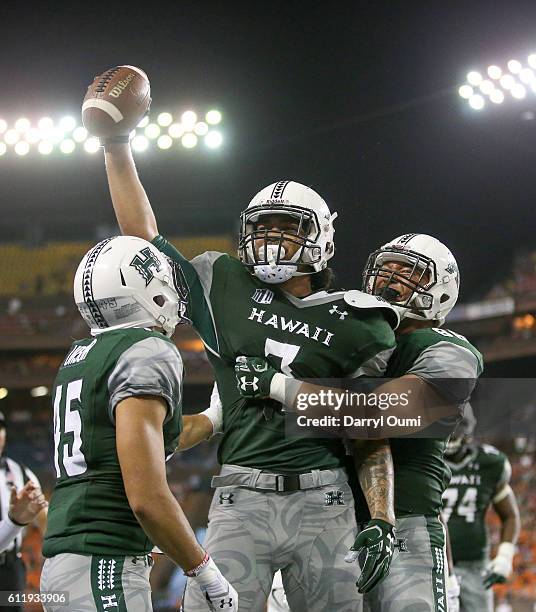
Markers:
116,101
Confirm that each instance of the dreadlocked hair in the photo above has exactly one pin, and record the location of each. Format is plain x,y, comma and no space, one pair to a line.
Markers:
322,281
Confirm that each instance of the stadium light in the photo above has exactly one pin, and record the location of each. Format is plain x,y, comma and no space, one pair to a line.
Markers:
22,124
201,128
40,391
176,130
164,119
188,119
189,140
3,393
11,137
65,135
140,143
45,147
22,148
92,145
517,79
164,142
213,117
67,146
213,140
152,131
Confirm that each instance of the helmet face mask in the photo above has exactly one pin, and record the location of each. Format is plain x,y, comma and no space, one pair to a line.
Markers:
418,277
430,276
275,253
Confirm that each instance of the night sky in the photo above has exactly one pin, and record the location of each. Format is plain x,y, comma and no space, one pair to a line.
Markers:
356,99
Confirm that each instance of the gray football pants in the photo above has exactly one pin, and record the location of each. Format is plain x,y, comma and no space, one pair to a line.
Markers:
306,534
98,583
417,578
473,595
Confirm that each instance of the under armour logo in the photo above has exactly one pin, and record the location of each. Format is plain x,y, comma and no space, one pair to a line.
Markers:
226,499
335,498
226,603
246,384
335,310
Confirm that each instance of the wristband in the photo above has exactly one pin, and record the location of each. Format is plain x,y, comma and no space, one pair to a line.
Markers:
195,571
16,522
114,140
506,550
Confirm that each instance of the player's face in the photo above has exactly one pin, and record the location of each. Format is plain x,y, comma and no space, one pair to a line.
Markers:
274,225
395,283
2,439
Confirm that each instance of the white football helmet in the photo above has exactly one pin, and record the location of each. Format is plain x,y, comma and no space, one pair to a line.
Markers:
126,282
314,233
436,289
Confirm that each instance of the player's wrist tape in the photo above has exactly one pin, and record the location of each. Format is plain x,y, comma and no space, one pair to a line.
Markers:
192,573
284,389
506,550
213,414
10,518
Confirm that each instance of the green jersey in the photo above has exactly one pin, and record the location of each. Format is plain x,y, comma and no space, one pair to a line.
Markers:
89,511
449,362
475,481
321,336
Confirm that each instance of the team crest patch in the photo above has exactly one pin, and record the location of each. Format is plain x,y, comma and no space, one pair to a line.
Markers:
226,499
144,262
334,498
402,545
263,296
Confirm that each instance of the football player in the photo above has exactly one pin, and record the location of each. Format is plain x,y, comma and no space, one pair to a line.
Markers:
270,509
117,415
419,276
480,479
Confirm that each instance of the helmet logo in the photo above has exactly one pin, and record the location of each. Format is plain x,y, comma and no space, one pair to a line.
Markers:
144,262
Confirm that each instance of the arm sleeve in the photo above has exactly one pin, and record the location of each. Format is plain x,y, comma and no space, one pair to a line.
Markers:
8,532
150,367
376,345
198,274
452,369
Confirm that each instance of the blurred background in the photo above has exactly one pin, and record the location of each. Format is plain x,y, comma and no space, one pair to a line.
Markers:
399,114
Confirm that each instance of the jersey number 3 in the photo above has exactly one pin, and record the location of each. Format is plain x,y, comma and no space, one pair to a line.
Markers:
67,430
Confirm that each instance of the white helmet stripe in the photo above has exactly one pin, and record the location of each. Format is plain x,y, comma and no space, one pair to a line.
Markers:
87,283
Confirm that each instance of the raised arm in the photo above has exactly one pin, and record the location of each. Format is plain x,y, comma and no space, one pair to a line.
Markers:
131,204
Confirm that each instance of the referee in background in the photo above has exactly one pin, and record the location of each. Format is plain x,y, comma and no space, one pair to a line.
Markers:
21,501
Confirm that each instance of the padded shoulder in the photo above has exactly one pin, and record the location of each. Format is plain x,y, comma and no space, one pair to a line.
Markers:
365,301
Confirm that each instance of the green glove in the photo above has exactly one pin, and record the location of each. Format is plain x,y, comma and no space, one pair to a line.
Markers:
377,543
253,377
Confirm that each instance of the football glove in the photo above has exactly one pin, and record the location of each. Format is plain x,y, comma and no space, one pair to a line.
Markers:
500,566
376,544
453,593
253,377
219,593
